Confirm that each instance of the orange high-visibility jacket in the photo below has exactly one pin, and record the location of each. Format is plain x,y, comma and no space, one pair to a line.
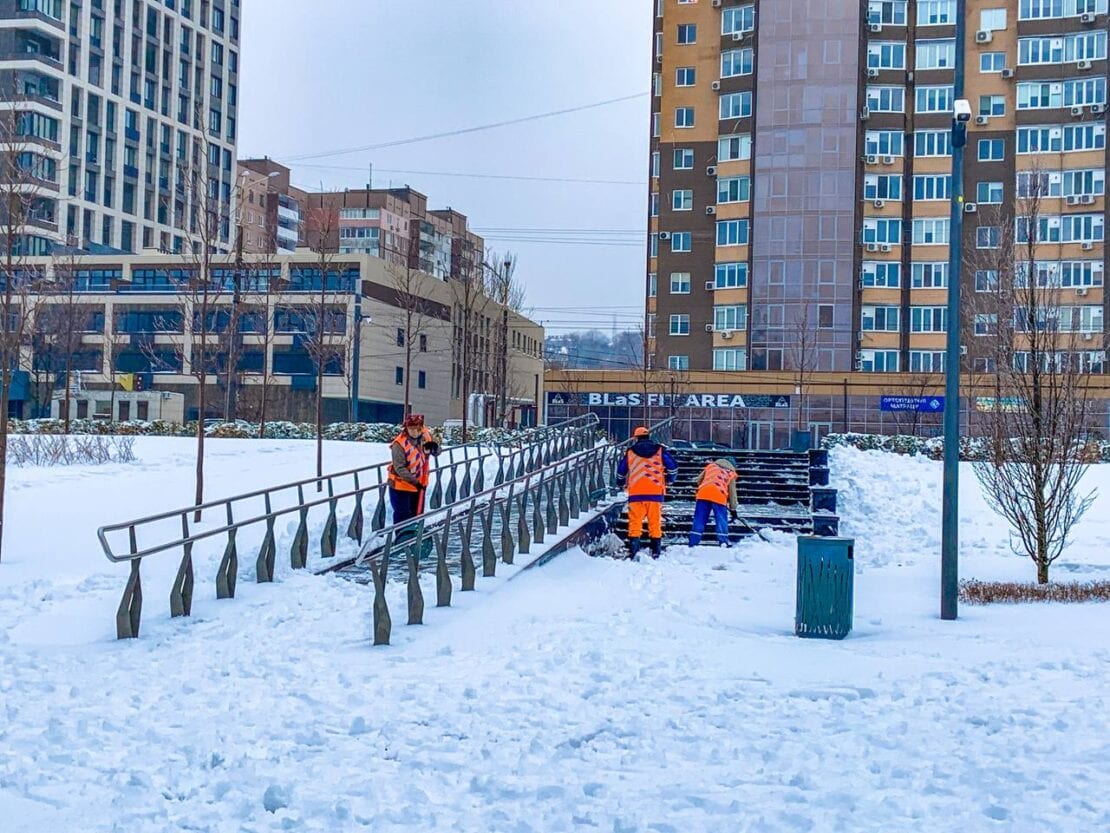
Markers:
714,486
646,475
416,461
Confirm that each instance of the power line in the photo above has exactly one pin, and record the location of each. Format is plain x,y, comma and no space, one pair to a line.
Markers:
364,169
465,130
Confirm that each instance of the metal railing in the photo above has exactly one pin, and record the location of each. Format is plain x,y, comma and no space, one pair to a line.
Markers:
450,482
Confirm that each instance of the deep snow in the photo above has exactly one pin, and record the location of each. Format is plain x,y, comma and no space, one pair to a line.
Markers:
585,695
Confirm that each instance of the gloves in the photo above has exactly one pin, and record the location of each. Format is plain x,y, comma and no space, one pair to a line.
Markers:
734,514
432,447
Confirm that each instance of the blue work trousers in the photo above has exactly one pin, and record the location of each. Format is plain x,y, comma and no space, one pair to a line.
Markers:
701,517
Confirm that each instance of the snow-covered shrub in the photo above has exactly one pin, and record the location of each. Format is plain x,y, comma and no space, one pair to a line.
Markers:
971,448
51,449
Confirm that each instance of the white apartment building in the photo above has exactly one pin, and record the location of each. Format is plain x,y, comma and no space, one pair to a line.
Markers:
115,102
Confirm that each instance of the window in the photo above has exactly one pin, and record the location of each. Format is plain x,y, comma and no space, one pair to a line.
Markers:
882,230
423,344
733,148
882,187
987,237
887,11
986,323
655,163
1040,95
732,232
653,245
685,77
935,54
933,100
886,55
678,362
681,241
400,337
1044,9
886,99
684,117
653,205
682,200
878,361
882,274
936,12
879,319
928,320
992,20
683,159
825,316
736,105
929,275
217,54
992,62
884,142
736,62
932,187
399,375
731,275
653,284
932,143
687,33
734,189
1061,139
737,19
992,105
926,361
988,193
730,358
680,325
992,150
730,317
930,231
421,379
680,283
986,280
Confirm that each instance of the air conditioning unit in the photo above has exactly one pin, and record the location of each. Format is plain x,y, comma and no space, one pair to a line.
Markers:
711,209
716,4
878,203
872,72
709,285
888,160
709,328
726,333
865,114
1081,291
1088,336
1087,17
970,207
876,27
984,36
981,120
1072,200
664,235
872,247
1097,109
885,247
871,159
659,59
716,85
1007,72
738,35
1086,199
1087,246
1082,64
711,170
1077,111
963,349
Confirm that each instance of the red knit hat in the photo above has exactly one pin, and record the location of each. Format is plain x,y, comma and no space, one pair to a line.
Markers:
414,421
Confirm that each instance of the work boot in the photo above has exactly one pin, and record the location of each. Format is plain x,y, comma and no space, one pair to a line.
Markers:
656,547
633,547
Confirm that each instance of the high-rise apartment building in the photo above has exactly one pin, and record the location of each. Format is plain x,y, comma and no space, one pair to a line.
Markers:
270,208
124,107
801,174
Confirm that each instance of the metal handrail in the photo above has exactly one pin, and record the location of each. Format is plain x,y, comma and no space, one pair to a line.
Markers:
535,452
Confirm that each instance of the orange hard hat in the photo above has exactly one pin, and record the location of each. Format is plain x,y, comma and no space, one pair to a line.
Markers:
641,432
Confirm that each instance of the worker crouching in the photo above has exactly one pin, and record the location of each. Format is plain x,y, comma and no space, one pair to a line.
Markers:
645,472
716,493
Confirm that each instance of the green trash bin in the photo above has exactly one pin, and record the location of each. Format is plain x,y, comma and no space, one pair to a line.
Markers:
825,576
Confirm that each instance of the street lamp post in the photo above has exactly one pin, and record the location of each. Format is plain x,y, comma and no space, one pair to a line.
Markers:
950,520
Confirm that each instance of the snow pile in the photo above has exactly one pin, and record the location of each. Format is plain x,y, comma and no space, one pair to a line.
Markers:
589,694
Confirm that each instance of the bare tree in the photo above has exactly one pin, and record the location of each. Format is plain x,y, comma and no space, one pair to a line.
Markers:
470,301
264,285
413,314
505,290
802,356
1036,352
19,202
60,324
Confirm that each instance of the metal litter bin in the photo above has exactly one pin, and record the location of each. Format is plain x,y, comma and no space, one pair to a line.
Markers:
825,576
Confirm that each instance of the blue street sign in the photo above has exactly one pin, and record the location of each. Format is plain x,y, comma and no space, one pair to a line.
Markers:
922,404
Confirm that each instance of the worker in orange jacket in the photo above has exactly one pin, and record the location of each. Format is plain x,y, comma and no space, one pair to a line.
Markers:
716,493
409,469
645,470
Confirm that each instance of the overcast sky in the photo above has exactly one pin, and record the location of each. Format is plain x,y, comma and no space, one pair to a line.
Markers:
326,75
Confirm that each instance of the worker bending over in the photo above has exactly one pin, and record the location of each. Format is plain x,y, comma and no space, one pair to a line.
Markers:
716,493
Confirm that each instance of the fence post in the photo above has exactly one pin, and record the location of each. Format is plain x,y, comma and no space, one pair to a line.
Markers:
523,534
452,486
298,555
489,556
466,559
464,489
564,510
228,571
331,525
506,529
354,528
264,564
537,513
443,574
130,610
181,595
480,475
415,594
552,516
377,520
383,624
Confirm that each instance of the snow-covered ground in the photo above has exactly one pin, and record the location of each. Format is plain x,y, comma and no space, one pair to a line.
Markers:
585,695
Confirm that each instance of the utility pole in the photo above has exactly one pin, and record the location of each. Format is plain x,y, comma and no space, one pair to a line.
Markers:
503,283
950,521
